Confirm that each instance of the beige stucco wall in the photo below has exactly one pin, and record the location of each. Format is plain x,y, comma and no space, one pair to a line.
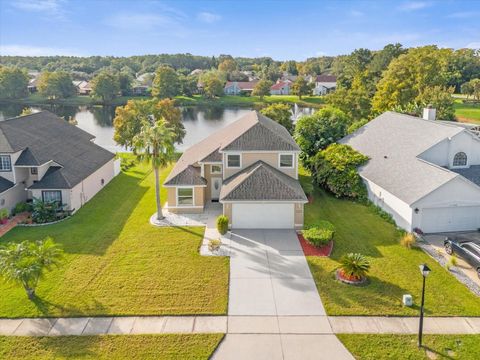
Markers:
227,211
89,187
298,222
12,196
271,158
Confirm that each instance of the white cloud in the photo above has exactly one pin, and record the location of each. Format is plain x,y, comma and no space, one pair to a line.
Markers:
356,13
473,45
208,17
27,50
48,7
414,5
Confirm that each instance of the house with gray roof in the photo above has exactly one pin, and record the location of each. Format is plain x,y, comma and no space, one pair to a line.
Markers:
250,167
424,172
43,156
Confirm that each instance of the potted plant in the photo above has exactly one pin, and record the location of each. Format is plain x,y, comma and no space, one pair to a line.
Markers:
3,216
353,268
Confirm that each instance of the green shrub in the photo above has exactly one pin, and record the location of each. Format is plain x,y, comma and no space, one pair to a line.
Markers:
319,235
3,214
21,207
222,224
382,213
355,265
126,163
452,261
335,169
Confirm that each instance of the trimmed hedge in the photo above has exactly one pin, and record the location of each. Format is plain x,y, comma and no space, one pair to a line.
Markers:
222,224
319,235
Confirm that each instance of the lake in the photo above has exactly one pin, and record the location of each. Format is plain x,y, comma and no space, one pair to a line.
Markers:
199,122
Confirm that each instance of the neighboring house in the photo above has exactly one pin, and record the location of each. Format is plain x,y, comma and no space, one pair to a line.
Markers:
43,156
146,79
250,166
281,88
140,90
196,72
32,85
324,84
237,87
83,87
425,173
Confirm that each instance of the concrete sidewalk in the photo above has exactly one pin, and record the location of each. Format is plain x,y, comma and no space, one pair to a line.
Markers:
237,325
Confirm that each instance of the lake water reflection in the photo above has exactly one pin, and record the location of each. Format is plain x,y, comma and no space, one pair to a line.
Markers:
199,122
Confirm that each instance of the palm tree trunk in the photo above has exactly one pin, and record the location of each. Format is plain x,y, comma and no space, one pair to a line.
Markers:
157,194
30,292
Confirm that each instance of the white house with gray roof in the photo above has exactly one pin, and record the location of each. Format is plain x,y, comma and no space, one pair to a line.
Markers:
425,173
250,166
42,156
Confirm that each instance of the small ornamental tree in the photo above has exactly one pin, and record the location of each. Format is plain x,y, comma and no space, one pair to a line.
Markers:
27,262
262,88
335,169
301,87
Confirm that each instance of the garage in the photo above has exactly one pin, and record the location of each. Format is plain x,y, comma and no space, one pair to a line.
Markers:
447,219
263,216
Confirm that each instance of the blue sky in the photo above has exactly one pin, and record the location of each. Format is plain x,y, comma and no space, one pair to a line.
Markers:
281,29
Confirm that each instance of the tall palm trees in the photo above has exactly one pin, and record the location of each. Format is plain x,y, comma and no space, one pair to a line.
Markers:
155,144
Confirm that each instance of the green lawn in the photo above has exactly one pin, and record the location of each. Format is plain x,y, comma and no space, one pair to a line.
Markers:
308,101
109,347
118,264
394,269
380,347
467,112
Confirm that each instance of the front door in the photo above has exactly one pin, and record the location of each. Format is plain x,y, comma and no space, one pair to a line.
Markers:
216,185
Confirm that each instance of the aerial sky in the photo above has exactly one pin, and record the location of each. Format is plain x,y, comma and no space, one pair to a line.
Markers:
280,29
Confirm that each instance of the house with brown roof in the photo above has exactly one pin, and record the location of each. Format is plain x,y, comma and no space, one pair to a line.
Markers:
281,88
237,87
250,167
324,84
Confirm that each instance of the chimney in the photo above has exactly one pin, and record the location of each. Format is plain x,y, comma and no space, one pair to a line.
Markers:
429,113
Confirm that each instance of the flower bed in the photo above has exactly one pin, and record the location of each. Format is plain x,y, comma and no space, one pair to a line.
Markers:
351,280
310,250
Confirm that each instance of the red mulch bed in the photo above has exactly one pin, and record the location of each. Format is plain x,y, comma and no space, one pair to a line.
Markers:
310,250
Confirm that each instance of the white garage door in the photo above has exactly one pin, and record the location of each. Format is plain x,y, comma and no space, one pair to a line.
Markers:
450,219
262,216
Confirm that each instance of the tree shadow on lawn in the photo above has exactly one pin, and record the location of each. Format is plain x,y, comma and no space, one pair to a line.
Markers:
45,307
67,347
97,224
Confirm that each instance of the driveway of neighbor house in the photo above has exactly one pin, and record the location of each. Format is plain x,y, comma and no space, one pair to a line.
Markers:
436,240
274,309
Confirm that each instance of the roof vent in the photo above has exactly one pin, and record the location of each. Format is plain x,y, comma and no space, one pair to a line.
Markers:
385,156
429,113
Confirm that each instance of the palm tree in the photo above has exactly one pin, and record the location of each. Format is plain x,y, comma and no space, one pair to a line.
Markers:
154,144
26,262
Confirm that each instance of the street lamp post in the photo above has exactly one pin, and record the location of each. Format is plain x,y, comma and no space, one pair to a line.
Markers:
425,270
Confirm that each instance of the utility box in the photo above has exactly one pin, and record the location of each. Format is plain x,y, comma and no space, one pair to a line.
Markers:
407,300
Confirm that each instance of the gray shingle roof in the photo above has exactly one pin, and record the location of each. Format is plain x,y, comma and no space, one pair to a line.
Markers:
252,131
261,182
472,173
5,184
394,143
53,179
45,137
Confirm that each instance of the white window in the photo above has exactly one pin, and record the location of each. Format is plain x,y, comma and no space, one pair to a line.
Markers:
234,161
52,196
5,163
460,159
184,196
216,169
285,161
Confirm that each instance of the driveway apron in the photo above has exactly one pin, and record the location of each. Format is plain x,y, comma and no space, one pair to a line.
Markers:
274,309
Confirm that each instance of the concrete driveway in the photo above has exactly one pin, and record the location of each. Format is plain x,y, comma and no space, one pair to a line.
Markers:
436,240
274,309
269,275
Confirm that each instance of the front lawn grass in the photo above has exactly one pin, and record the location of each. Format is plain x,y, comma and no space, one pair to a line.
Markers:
378,347
163,347
116,263
467,112
394,269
